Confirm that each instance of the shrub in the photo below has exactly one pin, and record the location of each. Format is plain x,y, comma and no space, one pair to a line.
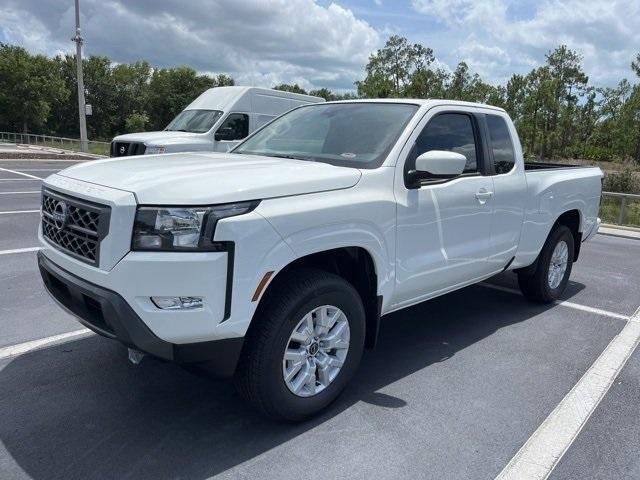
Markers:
625,181
136,122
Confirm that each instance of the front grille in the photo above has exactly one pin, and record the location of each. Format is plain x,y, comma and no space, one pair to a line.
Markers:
73,225
125,149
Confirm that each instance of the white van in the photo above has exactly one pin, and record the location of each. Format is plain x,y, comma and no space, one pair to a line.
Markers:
215,121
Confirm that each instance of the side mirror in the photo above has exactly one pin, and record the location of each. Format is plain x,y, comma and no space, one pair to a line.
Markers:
438,164
225,133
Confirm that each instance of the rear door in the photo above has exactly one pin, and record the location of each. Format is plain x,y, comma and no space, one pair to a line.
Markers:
510,188
443,227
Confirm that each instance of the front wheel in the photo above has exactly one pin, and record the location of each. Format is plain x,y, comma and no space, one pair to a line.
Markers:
305,346
549,279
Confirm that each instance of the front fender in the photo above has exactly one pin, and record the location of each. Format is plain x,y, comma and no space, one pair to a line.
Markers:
355,234
325,221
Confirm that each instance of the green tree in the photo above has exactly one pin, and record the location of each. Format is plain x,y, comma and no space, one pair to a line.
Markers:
224,80
635,65
427,83
170,91
634,109
293,88
325,93
131,87
538,93
29,85
390,69
570,82
136,122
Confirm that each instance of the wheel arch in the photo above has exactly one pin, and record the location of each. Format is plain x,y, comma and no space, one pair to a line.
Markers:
356,265
571,219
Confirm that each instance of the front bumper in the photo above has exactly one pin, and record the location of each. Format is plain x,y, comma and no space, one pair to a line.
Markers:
107,313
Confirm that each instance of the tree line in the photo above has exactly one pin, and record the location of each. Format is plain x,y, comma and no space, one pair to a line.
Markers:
558,113
38,94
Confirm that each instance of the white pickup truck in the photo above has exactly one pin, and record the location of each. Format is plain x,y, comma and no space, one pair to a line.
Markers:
274,262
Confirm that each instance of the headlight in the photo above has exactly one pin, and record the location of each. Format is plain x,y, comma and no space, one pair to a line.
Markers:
181,228
152,149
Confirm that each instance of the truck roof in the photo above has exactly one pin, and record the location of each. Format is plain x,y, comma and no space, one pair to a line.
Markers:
432,102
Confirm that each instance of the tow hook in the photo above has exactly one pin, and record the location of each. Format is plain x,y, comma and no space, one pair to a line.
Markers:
136,356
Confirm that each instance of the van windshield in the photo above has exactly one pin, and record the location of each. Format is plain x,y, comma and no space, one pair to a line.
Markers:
195,121
347,134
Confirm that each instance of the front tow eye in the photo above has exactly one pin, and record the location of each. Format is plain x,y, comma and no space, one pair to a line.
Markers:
136,356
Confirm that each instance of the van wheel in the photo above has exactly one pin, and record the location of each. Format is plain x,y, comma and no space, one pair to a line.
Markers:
553,267
304,346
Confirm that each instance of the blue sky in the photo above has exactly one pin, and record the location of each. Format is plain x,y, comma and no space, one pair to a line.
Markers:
327,43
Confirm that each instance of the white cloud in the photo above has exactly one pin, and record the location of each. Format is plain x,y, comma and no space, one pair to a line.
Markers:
459,12
256,41
315,43
496,38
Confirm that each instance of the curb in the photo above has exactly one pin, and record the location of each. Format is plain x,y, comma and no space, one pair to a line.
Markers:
612,231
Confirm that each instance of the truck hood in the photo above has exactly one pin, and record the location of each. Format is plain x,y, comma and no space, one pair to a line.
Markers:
158,138
211,178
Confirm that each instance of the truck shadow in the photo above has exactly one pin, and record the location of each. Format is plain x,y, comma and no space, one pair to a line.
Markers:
80,410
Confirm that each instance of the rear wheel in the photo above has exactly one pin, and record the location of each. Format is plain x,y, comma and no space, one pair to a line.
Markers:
304,347
549,279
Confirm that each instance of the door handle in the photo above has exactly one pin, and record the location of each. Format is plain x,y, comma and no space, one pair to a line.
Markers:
483,195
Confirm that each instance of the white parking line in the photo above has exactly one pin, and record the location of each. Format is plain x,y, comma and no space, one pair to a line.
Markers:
19,211
28,160
22,348
18,193
541,453
563,303
39,169
19,250
20,179
19,173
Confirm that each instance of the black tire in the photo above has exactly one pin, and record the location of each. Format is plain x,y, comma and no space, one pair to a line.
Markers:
259,378
534,283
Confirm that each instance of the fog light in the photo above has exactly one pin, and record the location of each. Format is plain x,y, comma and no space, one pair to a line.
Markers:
177,303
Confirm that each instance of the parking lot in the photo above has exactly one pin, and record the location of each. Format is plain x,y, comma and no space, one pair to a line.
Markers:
455,388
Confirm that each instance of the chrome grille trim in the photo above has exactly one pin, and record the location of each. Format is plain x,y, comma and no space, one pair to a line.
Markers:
74,226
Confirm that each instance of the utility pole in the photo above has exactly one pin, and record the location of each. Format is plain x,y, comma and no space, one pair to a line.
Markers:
81,106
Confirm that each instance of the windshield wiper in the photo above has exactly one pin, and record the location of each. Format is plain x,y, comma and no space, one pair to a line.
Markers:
276,155
292,157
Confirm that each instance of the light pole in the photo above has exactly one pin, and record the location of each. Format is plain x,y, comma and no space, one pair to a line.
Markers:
81,106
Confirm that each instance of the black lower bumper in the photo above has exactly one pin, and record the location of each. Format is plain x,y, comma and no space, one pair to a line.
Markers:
108,314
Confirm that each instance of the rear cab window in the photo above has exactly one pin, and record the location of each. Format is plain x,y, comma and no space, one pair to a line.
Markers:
501,144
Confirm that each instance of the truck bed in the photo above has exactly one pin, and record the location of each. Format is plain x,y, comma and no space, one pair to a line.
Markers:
553,189
549,166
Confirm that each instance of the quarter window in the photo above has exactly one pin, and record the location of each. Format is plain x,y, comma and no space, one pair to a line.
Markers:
503,154
452,132
239,125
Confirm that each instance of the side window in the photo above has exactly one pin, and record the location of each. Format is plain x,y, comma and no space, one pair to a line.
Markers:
449,131
503,154
235,127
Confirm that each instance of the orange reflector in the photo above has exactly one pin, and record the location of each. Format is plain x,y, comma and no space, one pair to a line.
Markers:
261,285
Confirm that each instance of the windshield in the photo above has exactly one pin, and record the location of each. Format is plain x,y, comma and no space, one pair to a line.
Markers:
349,134
196,121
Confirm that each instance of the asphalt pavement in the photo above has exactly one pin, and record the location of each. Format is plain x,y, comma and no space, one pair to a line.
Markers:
455,388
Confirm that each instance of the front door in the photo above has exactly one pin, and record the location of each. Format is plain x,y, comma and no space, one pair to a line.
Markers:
444,227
